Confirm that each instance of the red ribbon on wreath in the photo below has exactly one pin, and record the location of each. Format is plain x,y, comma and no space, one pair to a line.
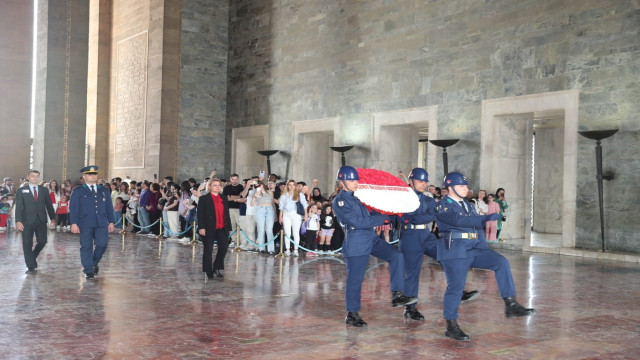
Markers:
385,193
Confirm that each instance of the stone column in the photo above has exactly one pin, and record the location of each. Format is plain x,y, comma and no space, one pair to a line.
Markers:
61,88
16,42
98,83
203,88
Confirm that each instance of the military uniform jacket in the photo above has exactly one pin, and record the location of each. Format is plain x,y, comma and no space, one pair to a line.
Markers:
28,210
358,224
424,214
88,210
454,224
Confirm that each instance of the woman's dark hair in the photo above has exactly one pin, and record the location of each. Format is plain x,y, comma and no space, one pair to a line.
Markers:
498,191
155,187
186,186
57,188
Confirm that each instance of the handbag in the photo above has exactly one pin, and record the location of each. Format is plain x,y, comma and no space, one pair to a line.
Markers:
303,227
299,208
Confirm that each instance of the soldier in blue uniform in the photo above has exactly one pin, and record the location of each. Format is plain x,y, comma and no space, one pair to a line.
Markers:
360,242
462,245
91,215
417,240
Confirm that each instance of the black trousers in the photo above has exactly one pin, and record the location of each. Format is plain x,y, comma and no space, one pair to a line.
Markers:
153,216
30,254
310,239
222,237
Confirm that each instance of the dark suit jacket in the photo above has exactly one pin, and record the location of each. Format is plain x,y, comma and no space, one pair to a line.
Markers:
28,210
207,214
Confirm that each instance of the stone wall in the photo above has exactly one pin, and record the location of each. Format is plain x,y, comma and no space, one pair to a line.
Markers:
16,42
61,89
203,88
304,60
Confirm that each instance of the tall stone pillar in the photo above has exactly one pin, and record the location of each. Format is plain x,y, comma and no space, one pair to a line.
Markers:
98,83
61,88
16,42
145,60
203,88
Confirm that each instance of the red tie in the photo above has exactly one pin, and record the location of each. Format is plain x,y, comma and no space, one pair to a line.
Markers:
35,193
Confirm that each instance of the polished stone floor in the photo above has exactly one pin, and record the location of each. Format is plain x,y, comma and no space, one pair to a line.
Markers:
151,301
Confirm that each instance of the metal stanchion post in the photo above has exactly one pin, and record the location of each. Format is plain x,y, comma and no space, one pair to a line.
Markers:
193,254
159,237
124,225
193,239
281,254
237,248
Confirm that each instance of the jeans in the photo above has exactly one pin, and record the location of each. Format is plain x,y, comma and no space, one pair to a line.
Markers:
143,219
265,215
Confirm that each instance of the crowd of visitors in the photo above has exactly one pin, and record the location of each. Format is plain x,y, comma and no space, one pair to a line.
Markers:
259,207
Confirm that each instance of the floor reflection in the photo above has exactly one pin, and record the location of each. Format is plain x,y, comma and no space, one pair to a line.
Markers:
152,301
546,240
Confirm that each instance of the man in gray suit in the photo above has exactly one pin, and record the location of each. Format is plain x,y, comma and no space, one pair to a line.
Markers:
33,202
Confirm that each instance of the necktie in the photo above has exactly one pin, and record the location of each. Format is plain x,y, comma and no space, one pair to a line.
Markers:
464,207
35,193
93,189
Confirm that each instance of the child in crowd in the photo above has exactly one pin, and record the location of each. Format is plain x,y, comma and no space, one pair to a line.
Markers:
63,213
327,226
5,211
117,208
491,227
313,225
132,208
11,222
384,229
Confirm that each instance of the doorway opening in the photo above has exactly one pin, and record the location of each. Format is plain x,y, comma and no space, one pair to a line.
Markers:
547,168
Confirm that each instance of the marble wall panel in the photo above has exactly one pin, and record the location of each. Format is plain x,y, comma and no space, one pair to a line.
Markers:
295,60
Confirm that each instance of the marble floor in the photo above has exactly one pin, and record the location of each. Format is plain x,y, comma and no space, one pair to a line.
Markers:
151,301
546,240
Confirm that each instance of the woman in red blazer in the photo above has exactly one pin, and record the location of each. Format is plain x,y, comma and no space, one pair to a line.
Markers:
214,224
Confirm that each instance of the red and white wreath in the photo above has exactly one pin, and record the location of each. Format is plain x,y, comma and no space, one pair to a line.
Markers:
387,194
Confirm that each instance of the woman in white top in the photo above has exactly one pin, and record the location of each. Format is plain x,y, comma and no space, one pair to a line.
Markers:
482,207
289,217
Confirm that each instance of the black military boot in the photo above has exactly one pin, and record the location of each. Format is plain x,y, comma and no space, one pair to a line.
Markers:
512,308
470,295
354,319
399,299
411,312
453,331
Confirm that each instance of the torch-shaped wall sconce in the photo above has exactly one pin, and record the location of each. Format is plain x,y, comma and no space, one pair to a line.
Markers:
342,149
268,153
444,144
597,136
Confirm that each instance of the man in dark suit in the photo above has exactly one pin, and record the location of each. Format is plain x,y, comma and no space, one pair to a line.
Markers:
214,224
91,215
32,205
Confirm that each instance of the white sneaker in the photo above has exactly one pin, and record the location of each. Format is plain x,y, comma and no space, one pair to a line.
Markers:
287,253
295,253
58,227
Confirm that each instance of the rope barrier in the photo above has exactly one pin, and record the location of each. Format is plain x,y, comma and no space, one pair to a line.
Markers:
325,253
257,245
171,233
312,251
144,227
